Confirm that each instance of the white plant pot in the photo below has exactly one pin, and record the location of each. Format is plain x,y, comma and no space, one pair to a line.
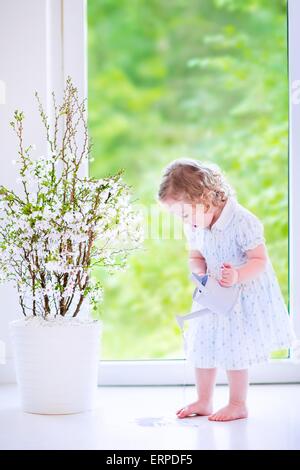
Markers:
56,364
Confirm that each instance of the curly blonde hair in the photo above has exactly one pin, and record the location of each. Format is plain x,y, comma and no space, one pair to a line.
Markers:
194,182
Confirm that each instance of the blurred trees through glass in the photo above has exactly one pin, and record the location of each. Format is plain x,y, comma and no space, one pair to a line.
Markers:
204,79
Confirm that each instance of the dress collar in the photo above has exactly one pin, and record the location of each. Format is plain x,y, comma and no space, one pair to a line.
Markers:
226,214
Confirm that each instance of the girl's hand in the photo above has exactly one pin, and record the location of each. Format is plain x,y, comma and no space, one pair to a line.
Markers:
230,275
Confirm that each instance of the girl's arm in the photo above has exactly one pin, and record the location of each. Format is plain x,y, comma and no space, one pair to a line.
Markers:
256,263
197,262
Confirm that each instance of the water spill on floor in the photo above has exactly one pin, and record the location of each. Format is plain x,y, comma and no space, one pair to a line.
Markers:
158,421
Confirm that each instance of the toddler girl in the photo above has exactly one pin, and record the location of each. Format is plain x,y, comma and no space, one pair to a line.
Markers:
227,241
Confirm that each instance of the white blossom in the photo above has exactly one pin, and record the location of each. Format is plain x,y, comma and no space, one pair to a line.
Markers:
47,231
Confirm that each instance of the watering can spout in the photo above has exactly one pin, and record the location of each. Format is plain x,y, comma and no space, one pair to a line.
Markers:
180,321
181,318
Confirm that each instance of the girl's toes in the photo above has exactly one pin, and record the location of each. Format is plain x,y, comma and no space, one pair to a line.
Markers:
183,412
216,417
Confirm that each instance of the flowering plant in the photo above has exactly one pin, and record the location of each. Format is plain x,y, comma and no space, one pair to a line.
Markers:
61,223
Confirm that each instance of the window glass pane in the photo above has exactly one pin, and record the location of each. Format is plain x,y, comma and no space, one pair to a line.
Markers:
202,79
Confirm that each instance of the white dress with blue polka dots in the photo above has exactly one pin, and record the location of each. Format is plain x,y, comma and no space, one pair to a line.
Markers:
259,323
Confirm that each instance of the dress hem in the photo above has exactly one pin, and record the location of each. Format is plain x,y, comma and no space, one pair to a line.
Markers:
245,365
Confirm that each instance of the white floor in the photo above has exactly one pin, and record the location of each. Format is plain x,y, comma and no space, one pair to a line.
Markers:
144,418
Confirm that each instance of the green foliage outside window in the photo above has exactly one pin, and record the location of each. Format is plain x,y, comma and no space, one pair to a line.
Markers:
205,79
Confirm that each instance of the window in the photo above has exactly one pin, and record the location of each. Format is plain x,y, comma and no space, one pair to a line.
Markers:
204,80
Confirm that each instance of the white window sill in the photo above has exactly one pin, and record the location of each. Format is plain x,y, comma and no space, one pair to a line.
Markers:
178,372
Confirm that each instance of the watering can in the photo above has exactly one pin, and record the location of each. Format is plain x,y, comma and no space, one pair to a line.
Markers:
211,296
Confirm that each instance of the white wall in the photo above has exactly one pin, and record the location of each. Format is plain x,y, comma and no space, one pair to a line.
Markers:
33,35
23,69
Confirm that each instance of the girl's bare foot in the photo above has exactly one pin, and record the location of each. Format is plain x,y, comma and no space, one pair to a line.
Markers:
230,412
198,408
